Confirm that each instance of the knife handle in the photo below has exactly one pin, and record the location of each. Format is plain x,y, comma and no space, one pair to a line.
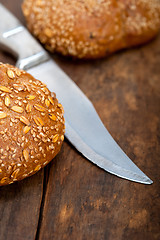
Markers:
15,38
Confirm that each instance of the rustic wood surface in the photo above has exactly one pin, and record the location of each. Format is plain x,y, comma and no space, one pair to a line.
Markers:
73,199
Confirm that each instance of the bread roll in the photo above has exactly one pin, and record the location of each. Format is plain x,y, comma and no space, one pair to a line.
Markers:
92,28
31,125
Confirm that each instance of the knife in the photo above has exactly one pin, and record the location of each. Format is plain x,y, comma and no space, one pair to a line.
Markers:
84,129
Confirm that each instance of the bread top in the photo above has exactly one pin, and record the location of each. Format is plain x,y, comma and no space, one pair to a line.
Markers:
31,124
92,28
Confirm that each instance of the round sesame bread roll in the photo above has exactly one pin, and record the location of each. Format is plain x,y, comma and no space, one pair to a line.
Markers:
92,28
31,125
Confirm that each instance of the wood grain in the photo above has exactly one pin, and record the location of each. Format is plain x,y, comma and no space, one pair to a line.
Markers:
72,198
19,208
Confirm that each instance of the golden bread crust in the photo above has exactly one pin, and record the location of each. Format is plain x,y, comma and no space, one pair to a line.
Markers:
92,28
31,125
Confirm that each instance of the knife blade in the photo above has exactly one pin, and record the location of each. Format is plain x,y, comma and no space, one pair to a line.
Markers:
84,128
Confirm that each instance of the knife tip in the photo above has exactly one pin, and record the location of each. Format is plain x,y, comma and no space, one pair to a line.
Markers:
148,181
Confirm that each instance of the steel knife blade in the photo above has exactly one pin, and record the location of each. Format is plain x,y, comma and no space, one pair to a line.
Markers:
84,129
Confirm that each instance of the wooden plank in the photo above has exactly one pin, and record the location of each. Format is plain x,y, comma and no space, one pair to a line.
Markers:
19,202
19,208
84,202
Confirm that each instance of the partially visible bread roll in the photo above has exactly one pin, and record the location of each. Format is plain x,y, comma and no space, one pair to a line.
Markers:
31,125
92,28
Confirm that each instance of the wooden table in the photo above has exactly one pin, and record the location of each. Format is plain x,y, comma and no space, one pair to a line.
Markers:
73,199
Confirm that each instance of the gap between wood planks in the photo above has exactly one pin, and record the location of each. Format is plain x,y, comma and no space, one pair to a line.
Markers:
45,184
